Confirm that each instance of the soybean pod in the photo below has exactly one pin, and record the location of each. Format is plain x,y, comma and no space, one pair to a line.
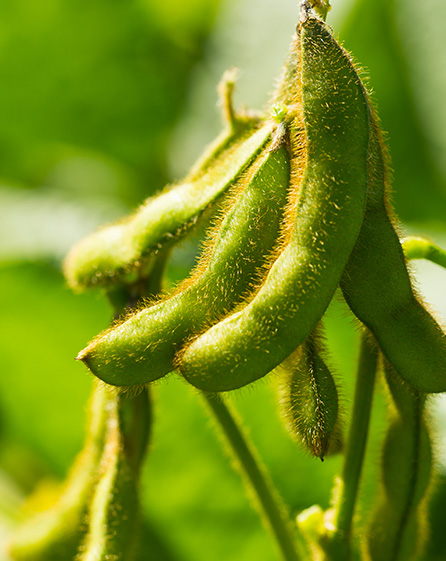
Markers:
309,399
327,217
114,516
398,527
57,533
377,287
117,253
143,348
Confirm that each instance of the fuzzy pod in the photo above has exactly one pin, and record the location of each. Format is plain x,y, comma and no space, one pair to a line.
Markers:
377,287
309,399
143,348
388,541
56,534
398,527
331,107
114,513
118,252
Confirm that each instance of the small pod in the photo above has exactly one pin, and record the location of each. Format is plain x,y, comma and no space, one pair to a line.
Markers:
309,399
116,252
326,220
143,348
398,527
56,534
377,287
114,514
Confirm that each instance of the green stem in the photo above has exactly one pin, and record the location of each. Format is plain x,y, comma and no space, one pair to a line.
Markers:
126,296
356,444
225,91
420,248
321,7
256,478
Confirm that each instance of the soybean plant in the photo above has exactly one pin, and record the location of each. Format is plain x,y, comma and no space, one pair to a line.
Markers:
300,208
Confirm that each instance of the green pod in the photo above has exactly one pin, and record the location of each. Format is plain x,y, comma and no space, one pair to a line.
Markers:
114,514
117,252
56,534
143,348
327,217
388,541
407,438
377,287
397,531
309,399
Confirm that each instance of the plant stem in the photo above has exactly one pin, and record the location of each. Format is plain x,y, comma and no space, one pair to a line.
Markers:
356,443
321,7
421,248
257,480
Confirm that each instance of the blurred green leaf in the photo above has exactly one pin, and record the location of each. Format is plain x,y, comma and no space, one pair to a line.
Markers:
43,390
108,76
370,32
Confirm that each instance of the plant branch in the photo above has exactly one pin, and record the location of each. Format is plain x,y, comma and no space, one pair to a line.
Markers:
356,444
321,7
256,479
421,248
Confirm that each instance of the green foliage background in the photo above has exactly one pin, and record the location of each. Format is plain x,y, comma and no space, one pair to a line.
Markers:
101,104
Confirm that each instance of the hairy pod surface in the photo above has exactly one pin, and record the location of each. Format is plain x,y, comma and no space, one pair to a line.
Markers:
113,253
113,524
143,348
377,287
398,527
56,534
326,221
309,399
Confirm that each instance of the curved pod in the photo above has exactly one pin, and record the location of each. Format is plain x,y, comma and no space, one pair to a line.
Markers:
143,347
328,216
398,528
110,255
377,287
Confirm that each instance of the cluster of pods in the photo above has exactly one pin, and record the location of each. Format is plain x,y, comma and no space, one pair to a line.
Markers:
299,203
302,204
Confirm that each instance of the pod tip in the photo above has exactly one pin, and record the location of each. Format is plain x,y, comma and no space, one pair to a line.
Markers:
82,355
